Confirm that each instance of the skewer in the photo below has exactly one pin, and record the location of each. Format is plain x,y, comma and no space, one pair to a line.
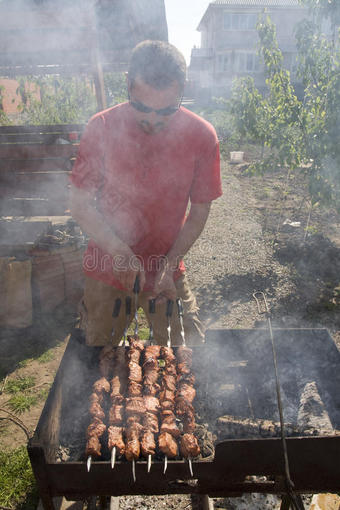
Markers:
134,470
115,314
88,463
113,457
190,467
136,291
149,462
152,309
169,308
127,313
180,315
165,464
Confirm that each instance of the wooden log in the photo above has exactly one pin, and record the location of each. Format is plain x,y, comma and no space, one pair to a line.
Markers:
312,413
231,427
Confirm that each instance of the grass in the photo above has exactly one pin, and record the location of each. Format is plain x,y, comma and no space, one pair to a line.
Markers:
21,402
46,356
17,485
22,399
20,384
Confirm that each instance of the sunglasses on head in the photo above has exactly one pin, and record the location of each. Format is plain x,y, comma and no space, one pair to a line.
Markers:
140,107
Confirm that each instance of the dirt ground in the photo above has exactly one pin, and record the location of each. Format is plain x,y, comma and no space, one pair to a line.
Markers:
260,236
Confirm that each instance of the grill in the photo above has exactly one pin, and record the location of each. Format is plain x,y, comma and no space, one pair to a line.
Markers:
234,377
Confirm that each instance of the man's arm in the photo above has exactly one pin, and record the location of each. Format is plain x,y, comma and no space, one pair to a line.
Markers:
92,222
191,230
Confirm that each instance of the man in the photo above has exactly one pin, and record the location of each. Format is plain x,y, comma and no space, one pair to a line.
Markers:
139,164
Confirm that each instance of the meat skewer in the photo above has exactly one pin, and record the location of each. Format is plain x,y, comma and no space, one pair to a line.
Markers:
185,395
169,308
136,292
127,313
135,406
152,309
180,316
118,389
151,388
96,428
169,431
115,314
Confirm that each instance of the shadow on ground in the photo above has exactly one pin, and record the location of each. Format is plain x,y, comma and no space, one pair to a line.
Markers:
216,299
46,332
315,269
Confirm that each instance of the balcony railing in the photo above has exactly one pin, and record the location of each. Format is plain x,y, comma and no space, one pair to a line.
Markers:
201,52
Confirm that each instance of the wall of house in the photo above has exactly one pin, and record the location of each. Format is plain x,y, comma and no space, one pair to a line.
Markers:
233,43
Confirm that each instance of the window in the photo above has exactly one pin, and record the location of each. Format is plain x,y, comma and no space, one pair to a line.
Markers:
223,62
246,62
239,21
238,62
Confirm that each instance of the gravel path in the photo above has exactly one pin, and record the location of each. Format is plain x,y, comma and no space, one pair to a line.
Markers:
231,260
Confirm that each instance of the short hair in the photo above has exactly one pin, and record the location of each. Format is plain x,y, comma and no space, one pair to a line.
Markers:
158,63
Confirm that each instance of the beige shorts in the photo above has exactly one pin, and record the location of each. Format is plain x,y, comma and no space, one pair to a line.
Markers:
101,328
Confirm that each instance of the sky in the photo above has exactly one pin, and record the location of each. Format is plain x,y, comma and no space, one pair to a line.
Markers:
183,17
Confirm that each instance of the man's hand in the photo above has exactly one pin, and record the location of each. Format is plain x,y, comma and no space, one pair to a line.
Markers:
164,287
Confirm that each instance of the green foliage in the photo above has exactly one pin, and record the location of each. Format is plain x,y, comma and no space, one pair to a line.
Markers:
21,402
46,356
298,132
20,384
115,88
17,484
64,100
55,100
4,120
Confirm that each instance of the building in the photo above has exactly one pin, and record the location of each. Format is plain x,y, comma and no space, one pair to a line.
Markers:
229,43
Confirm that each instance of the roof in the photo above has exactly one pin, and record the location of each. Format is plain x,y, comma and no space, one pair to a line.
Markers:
260,3
249,3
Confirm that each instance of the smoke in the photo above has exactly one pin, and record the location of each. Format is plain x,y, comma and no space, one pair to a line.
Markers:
236,377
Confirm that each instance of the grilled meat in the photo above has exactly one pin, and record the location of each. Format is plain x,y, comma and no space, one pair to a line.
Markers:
132,447
135,406
94,431
187,392
184,355
150,422
151,404
106,361
148,444
169,425
151,389
169,382
116,415
152,350
183,407
93,447
189,447
96,428
97,410
101,386
135,372
134,389
167,444
168,355
115,438
117,386
95,397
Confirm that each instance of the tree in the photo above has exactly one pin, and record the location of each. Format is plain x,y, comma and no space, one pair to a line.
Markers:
55,100
4,120
298,131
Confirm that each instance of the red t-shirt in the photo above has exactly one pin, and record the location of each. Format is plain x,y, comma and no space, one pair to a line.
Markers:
143,183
